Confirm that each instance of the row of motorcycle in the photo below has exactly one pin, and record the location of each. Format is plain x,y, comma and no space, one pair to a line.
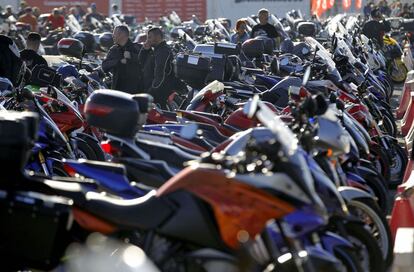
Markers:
273,161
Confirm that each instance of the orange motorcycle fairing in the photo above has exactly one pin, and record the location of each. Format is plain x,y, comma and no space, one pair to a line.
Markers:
237,206
92,223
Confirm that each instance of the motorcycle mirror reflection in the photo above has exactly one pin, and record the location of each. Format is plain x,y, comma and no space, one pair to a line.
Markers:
251,106
321,105
306,76
340,105
189,131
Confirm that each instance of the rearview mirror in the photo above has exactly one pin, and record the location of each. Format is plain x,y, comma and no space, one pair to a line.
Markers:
250,107
306,76
321,105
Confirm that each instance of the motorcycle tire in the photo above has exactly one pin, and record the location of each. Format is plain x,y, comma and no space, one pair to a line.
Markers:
96,148
390,129
376,223
348,259
365,244
85,151
397,71
397,165
379,188
381,161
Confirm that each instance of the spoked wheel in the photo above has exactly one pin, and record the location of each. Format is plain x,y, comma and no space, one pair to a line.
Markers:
367,250
376,225
398,164
348,259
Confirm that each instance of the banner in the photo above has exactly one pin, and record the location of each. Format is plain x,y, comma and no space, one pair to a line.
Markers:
358,4
346,4
46,6
236,9
153,9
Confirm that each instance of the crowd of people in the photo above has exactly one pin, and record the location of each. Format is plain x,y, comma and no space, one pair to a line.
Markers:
56,19
147,67
394,9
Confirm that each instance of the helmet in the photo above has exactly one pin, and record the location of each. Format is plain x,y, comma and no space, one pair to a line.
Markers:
6,87
87,39
67,70
70,47
11,66
106,41
286,46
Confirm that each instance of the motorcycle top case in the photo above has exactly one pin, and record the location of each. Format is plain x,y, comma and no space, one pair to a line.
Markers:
306,28
227,48
17,133
115,112
33,229
192,69
43,76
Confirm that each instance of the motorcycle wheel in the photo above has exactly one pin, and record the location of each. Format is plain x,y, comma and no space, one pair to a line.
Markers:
381,161
368,252
388,126
379,188
84,151
375,223
397,165
96,148
397,71
348,258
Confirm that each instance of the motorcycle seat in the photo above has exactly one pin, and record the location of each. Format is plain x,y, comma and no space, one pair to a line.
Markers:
170,154
145,212
150,173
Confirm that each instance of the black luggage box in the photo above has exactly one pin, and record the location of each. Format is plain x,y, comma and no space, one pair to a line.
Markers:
33,231
227,48
43,76
307,29
115,112
17,134
192,69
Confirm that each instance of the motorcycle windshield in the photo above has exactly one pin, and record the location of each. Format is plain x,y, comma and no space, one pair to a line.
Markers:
278,26
326,56
332,26
343,47
214,87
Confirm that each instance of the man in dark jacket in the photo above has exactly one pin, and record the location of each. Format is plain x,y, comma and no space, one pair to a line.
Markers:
375,28
156,58
122,61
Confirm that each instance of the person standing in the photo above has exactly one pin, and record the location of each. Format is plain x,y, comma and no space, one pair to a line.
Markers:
122,61
156,58
241,34
29,18
30,54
